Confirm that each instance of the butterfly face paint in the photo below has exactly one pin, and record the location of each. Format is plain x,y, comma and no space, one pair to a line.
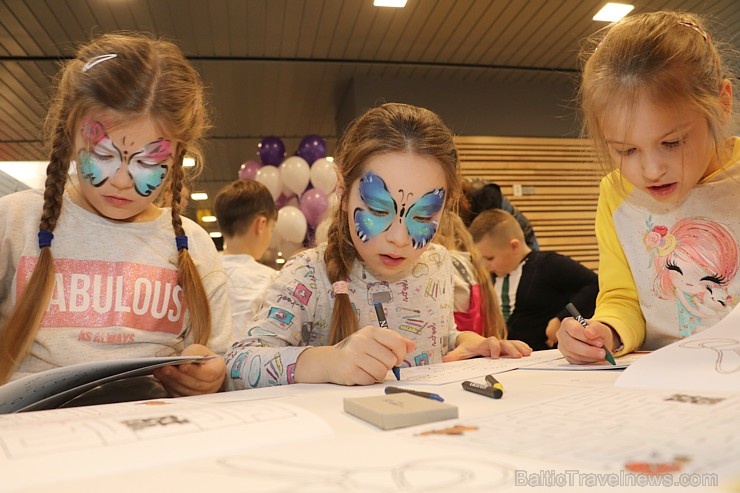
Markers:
100,159
382,210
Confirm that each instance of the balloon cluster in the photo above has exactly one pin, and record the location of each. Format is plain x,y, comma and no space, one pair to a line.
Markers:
302,186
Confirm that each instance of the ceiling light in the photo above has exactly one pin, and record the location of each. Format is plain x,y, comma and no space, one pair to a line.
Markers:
208,219
199,196
390,3
188,161
612,12
215,234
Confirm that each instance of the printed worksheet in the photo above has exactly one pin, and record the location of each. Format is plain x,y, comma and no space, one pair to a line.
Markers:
444,459
97,440
708,360
456,371
349,464
610,428
562,364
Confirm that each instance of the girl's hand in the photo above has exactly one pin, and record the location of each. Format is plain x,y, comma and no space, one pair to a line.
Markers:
363,358
582,345
470,344
193,378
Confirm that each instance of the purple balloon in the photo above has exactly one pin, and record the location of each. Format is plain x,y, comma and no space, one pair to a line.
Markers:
271,150
283,200
311,148
249,170
313,204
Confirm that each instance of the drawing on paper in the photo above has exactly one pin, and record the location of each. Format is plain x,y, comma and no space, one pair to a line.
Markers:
656,465
80,428
425,475
727,352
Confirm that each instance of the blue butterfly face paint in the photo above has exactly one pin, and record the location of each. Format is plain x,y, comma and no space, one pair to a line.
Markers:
101,158
382,210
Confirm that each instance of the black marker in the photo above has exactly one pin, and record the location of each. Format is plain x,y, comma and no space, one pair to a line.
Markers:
481,389
382,322
579,318
497,387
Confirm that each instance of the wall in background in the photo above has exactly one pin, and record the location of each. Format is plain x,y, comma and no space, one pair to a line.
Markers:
472,108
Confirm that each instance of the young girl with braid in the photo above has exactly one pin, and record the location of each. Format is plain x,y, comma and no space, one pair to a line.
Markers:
398,172
90,268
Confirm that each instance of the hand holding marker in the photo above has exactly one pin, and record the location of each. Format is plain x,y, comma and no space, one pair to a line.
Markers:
579,318
382,322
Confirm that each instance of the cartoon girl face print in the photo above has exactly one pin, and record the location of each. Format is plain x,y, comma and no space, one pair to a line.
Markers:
381,209
100,158
694,261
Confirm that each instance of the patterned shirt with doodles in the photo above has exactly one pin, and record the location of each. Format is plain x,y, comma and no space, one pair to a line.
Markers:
296,313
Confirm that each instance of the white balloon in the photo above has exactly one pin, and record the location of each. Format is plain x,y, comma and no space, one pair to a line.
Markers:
323,175
285,190
295,174
291,224
269,176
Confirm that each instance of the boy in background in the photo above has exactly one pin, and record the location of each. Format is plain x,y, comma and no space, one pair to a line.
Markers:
246,215
533,286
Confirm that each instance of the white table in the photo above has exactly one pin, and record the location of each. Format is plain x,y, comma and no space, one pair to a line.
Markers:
549,427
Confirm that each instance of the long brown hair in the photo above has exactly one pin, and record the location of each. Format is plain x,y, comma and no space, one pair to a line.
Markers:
391,127
147,76
453,235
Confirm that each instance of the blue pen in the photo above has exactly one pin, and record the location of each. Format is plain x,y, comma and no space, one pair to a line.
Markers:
428,395
382,322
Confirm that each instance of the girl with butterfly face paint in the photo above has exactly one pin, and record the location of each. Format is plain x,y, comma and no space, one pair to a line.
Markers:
398,173
101,272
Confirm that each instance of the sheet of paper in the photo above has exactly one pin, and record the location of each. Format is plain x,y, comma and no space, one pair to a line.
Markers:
709,360
562,364
391,463
608,428
349,464
456,371
96,440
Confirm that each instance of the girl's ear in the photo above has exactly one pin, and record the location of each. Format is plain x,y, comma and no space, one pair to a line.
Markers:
725,97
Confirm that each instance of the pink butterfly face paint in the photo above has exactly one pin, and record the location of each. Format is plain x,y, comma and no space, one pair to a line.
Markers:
100,159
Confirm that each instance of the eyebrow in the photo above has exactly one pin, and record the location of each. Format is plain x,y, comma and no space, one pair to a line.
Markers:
679,128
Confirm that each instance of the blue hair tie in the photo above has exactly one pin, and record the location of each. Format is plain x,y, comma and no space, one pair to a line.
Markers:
45,238
182,242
